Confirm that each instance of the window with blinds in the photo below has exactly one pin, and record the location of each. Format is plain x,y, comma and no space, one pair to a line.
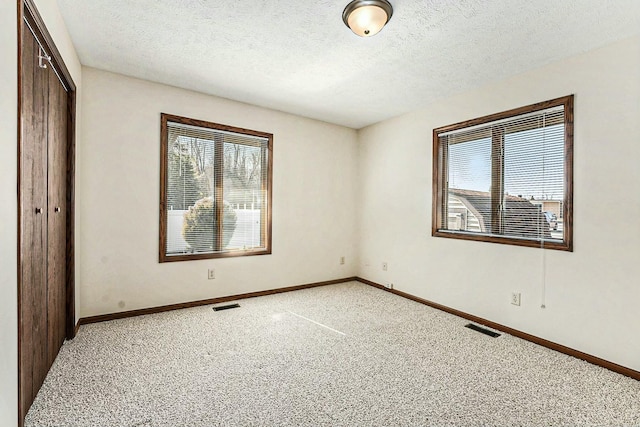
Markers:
215,190
507,178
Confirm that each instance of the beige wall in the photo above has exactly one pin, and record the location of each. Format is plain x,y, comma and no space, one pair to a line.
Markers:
314,195
8,216
591,294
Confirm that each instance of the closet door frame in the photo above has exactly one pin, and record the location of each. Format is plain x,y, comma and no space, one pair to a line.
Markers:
28,14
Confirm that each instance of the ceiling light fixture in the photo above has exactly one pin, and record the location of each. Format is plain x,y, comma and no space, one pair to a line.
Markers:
367,17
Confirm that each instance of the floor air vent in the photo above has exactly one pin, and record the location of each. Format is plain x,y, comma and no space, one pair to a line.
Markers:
225,307
482,330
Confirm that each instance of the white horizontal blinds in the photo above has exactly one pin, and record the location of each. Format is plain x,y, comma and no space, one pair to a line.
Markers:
191,183
245,185
534,175
503,176
213,176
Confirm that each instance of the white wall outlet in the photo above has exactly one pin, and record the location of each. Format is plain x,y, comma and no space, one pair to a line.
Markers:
515,298
212,273
341,260
384,266
388,285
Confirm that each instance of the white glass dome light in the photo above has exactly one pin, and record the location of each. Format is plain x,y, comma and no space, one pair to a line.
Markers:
367,17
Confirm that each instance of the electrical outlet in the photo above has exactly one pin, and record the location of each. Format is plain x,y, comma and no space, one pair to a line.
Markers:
515,298
384,266
388,285
341,260
212,273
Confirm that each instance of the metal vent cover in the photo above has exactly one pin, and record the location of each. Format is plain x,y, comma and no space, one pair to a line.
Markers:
482,330
225,307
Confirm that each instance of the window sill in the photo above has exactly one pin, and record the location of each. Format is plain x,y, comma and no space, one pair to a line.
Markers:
229,254
532,243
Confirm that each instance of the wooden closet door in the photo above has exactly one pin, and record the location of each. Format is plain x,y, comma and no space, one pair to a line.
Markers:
56,230
34,359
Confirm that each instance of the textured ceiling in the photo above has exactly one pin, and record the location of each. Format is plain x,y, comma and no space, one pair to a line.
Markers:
297,56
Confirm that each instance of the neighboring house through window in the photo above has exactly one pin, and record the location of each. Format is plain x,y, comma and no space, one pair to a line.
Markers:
507,177
215,190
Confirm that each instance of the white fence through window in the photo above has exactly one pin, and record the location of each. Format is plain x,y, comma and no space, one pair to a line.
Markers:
246,234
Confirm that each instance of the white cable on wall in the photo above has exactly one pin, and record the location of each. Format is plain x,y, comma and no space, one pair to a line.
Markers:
543,279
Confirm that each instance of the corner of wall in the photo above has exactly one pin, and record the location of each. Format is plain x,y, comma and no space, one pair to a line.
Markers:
8,215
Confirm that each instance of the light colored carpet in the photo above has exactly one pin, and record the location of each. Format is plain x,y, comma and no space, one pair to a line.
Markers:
372,359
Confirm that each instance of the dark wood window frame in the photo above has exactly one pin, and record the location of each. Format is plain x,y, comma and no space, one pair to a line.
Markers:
267,186
440,173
